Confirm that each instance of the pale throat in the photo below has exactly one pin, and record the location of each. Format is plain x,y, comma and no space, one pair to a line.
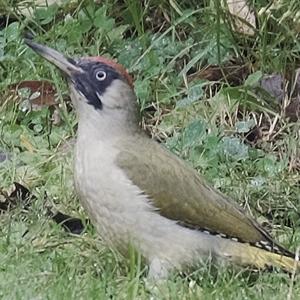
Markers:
102,126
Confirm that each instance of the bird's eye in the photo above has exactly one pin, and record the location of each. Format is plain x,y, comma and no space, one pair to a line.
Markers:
100,75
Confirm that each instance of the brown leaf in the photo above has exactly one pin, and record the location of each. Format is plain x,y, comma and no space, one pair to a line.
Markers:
234,74
39,93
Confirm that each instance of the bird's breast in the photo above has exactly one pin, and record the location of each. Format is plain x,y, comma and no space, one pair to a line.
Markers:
94,173
106,193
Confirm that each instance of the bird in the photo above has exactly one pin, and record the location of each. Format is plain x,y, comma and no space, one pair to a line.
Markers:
138,193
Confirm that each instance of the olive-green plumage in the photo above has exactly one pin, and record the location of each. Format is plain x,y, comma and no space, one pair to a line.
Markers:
181,194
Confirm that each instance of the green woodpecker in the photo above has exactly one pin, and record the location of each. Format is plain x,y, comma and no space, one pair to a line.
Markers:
137,192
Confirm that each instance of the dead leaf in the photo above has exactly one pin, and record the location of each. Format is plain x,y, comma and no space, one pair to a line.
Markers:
19,196
254,135
22,196
35,95
274,84
39,93
233,73
70,224
27,9
243,16
286,93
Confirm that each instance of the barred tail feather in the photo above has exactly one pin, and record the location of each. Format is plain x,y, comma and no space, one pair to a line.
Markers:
247,255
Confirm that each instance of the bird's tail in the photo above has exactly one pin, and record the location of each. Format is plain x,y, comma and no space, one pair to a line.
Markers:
247,255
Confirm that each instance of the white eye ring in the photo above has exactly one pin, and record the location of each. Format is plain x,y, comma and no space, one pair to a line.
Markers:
100,75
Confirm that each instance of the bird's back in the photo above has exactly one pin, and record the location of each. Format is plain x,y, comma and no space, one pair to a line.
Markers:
181,194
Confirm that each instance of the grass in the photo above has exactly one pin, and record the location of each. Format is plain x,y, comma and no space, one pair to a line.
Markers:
166,45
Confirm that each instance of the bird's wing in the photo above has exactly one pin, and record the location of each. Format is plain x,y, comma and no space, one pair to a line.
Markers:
181,194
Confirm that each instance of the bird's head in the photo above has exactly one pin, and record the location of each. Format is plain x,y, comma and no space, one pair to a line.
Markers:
100,87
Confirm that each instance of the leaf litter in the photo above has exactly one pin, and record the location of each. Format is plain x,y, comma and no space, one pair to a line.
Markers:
21,196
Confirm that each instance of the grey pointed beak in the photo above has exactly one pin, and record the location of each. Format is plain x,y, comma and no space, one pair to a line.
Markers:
65,64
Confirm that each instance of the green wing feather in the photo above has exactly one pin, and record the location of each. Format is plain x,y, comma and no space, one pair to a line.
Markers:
180,193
